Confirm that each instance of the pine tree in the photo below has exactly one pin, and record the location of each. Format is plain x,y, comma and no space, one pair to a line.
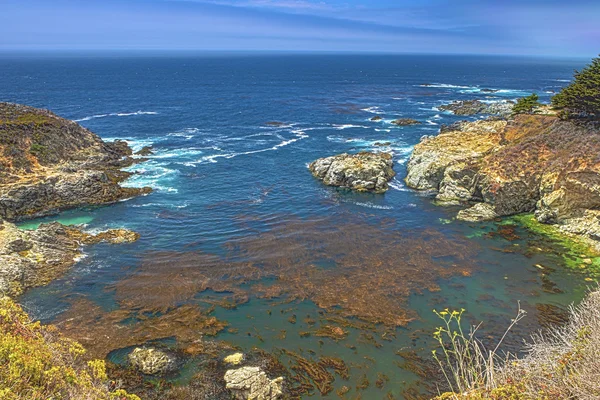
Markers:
582,96
526,105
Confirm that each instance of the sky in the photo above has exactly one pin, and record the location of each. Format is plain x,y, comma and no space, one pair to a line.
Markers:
569,28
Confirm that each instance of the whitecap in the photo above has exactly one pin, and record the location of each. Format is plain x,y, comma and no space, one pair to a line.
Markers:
120,114
371,205
446,86
151,174
187,133
348,126
372,110
430,122
383,130
397,185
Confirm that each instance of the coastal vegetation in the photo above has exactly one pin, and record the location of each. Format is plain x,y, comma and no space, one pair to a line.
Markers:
38,363
526,105
561,363
581,98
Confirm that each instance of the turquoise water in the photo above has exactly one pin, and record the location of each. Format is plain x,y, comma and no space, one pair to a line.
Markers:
234,204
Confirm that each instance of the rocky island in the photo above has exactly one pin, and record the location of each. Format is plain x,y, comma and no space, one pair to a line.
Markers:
363,172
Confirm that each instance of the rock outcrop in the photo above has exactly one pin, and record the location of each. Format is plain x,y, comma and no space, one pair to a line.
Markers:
405,122
48,164
252,383
532,163
152,361
363,172
474,107
36,257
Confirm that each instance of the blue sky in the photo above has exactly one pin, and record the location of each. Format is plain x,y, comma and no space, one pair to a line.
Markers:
534,27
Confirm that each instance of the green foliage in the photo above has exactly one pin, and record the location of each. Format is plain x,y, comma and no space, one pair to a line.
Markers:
37,363
464,360
526,105
37,149
582,96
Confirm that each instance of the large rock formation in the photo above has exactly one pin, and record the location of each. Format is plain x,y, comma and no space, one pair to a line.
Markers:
363,172
48,164
533,163
473,107
252,383
36,257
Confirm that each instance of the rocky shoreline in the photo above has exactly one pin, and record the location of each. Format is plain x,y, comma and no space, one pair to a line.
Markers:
528,164
49,164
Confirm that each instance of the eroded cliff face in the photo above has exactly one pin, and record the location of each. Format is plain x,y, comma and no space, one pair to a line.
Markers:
48,164
36,257
532,163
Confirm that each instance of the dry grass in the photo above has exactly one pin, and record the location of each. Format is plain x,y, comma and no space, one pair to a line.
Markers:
561,363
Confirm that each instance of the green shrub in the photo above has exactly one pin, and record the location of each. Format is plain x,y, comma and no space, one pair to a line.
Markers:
526,105
582,96
37,363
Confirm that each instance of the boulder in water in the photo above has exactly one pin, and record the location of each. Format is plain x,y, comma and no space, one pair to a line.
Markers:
363,172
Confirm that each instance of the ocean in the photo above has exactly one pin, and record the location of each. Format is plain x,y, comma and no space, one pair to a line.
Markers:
238,227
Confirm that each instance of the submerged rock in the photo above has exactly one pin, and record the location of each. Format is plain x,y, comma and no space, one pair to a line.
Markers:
252,383
405,122
275,123
363,172
48,164
376,118
30,258
145,151
152,361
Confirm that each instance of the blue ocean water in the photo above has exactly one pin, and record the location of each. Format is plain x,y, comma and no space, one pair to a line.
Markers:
224,174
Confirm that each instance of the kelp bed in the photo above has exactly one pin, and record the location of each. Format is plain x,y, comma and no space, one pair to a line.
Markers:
359,276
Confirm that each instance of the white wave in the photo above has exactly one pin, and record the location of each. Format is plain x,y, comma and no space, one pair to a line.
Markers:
397,185
135,143
383,130
162,205
176,153
187,133
446,86
562,80
348,126
430,122
371,205
436,116
121,114
151,174
299,135
372,110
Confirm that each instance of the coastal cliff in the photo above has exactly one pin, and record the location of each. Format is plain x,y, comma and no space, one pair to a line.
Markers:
49,164
529,164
